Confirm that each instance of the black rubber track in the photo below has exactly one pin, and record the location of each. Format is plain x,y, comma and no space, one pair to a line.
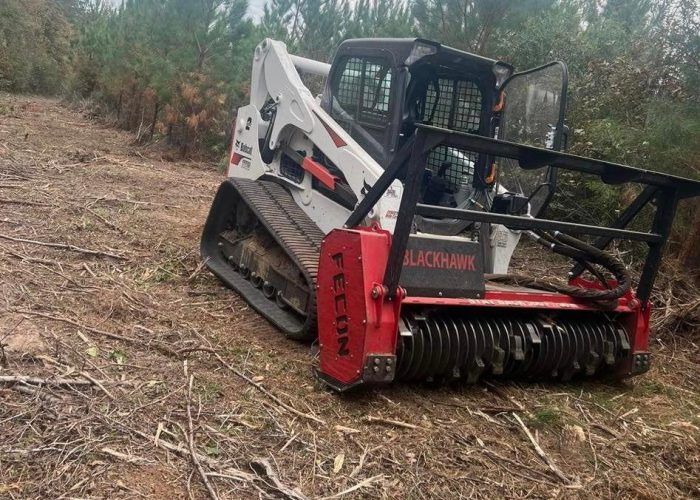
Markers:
291,228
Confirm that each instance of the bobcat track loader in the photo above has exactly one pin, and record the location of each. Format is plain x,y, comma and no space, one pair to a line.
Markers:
381,218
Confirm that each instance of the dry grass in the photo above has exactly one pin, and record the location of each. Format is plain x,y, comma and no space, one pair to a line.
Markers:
119,320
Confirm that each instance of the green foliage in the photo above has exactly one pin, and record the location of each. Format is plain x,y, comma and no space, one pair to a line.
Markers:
166,67
633,99
545,418
475,25
35,39
389,18
178,69
315,27
119,357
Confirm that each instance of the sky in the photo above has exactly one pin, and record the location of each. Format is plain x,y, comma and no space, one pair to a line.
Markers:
255,8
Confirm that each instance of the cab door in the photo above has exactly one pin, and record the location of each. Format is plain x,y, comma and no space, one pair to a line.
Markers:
534,105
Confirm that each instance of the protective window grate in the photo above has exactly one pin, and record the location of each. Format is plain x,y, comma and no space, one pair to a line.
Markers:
458,108
454,165
468,107
437,112
290,169
350,84
364,90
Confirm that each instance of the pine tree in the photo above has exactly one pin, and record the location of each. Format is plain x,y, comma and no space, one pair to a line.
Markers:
35,39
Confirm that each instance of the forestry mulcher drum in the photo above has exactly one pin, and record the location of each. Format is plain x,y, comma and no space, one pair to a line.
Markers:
381,216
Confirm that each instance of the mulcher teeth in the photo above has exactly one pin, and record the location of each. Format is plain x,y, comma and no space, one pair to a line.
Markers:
449,346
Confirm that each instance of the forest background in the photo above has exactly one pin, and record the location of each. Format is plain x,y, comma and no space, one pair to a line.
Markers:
175,71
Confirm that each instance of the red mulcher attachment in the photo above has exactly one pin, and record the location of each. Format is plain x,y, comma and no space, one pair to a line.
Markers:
416,307
367,337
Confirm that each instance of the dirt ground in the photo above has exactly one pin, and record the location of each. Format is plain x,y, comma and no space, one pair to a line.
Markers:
159,377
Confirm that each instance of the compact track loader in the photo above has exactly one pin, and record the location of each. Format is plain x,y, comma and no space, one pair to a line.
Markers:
381,218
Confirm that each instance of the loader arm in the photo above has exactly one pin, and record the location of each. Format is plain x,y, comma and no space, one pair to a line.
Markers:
294,125
294,175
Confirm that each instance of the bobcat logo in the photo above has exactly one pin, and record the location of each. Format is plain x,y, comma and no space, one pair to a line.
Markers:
243,147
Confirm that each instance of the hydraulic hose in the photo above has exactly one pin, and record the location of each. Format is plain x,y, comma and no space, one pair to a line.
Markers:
587,255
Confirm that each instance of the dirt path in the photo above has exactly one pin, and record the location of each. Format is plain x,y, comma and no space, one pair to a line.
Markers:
121,316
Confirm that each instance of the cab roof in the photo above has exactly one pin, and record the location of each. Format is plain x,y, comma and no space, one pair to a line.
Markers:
401,49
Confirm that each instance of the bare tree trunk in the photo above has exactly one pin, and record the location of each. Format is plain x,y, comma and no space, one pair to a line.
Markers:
293,32
156,108
130,116
119,104
141,109
138,132
203,48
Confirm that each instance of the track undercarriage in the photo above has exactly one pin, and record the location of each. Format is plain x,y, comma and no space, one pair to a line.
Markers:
262,245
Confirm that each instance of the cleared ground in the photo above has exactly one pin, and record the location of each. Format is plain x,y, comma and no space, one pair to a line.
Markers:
103,296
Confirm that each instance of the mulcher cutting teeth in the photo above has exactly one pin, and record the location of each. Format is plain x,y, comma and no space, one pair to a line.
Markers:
443,346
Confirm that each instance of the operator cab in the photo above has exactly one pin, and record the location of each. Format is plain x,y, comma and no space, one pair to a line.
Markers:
379,90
